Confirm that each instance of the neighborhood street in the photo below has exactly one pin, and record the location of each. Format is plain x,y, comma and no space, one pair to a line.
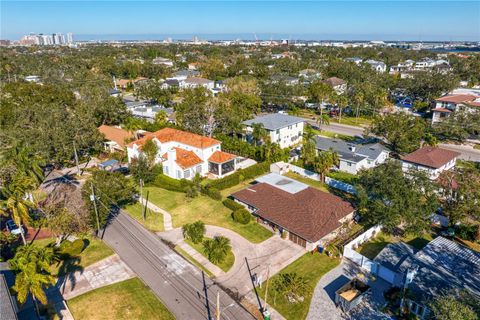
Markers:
175,281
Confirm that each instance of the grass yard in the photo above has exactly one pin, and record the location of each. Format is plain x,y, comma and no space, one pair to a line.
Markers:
333,135
213,212
373,247
343,176
312,183
353,121
94,252
311,267
129,299
153,221
225,265
193,261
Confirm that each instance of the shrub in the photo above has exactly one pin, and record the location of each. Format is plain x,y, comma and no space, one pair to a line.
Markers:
467,231
194,231
217,248
239,176
165,182
232,205
242,216
211,192
71,249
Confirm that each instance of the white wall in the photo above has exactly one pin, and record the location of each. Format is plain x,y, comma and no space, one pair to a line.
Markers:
432,173
288,136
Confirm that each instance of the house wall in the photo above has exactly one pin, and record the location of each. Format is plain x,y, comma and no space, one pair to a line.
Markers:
287,136
432,173
350,167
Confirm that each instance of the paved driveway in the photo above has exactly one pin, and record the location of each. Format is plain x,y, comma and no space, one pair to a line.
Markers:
323,306
274,252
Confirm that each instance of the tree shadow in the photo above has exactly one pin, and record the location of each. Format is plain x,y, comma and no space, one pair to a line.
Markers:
336,284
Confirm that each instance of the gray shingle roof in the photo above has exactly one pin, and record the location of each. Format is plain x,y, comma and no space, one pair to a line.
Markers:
7,311
275,121
350,151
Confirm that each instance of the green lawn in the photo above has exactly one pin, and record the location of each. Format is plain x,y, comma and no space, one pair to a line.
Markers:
225,265
373,247
311,267
192,260
333,135
312,183
153,221
129,299
352,121
343,176
213,212
95,251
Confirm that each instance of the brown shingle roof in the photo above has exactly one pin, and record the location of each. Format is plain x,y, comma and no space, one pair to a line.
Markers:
310,213
431,157
221,157
334,81
185,158
169,134
115,134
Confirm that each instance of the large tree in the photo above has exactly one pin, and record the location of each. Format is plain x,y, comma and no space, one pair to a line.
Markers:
403,132
389,197
455,306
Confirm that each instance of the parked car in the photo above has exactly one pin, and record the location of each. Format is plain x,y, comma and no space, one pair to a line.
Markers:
13,228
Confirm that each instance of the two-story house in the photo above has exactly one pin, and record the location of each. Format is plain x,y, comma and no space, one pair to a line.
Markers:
184,154
339,85
432,160
194,82
354,156
446,105
282,129
378,66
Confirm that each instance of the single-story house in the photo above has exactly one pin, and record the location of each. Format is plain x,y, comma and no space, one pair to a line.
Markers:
309,217
355,60
123,83
339,85
378,66
184,154
162,61
283,129
432,160
116,137
442,265
354,156
195,82
282,78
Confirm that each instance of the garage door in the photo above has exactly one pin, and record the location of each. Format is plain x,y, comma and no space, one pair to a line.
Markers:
298,240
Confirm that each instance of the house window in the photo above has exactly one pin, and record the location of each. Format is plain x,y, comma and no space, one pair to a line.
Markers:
179,174
165,170
186,174
198,169
278,131
349,164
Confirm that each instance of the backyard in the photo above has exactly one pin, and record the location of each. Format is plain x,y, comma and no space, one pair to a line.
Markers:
311,267
227,262
129,299
312,183
373,247
213,212
94,251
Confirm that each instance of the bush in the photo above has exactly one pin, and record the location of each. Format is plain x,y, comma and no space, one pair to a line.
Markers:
194,231
242,174
165,182
72,249
232,205
467,231
217,248
211,192
242,216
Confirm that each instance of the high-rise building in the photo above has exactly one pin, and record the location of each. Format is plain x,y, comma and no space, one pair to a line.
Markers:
46,39
69,37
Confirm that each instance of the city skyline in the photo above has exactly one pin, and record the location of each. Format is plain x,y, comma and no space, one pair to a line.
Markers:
326,20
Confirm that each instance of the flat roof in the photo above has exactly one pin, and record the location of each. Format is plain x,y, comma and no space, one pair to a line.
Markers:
274,121
283,183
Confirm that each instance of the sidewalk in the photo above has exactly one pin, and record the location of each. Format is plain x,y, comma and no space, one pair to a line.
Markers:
201,259
167,218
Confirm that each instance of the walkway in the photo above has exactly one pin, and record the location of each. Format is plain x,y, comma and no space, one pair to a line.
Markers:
200,258
167,217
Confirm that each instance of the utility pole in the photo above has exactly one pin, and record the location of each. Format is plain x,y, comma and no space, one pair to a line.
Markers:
254,287
145,208
141,193
93,199
76,158
218,305
266,286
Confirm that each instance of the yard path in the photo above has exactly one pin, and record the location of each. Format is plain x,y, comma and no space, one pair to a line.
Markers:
167,217
200,258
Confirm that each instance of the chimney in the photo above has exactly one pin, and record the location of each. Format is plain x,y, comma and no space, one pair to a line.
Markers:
352,148
172,154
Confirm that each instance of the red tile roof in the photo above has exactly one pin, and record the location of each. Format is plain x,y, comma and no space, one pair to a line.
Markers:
169,134
115,134
458,98
334,81
221,157
431,157
185,158
310,213
442,110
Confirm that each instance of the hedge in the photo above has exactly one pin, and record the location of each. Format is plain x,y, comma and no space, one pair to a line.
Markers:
232,205
211,192
242,216
239,176
165,182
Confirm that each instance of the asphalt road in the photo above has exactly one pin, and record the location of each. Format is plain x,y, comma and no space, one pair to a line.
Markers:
176,282
467,152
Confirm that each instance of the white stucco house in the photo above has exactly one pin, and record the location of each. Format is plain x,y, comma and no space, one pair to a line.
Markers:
339,85
194,82
184,154
284,130
354,156
432,160
449,104
378,66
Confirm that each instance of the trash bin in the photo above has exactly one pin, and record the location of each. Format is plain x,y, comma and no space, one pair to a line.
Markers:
266,315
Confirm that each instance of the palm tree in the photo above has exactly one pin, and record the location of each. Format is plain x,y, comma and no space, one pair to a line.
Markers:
308,148
132,125
259,133
324,162
18,208
26,163
323,119
217,248
291,285
342,103
321,92
358,99
32,265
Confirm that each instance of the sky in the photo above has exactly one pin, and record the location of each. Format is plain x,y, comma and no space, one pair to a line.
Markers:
295,20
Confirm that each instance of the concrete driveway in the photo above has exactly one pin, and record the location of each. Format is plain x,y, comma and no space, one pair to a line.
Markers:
323,306
275,252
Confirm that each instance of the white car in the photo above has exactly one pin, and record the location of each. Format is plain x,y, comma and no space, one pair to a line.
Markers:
13,228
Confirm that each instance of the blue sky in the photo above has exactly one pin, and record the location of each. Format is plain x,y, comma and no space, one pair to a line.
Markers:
390,20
